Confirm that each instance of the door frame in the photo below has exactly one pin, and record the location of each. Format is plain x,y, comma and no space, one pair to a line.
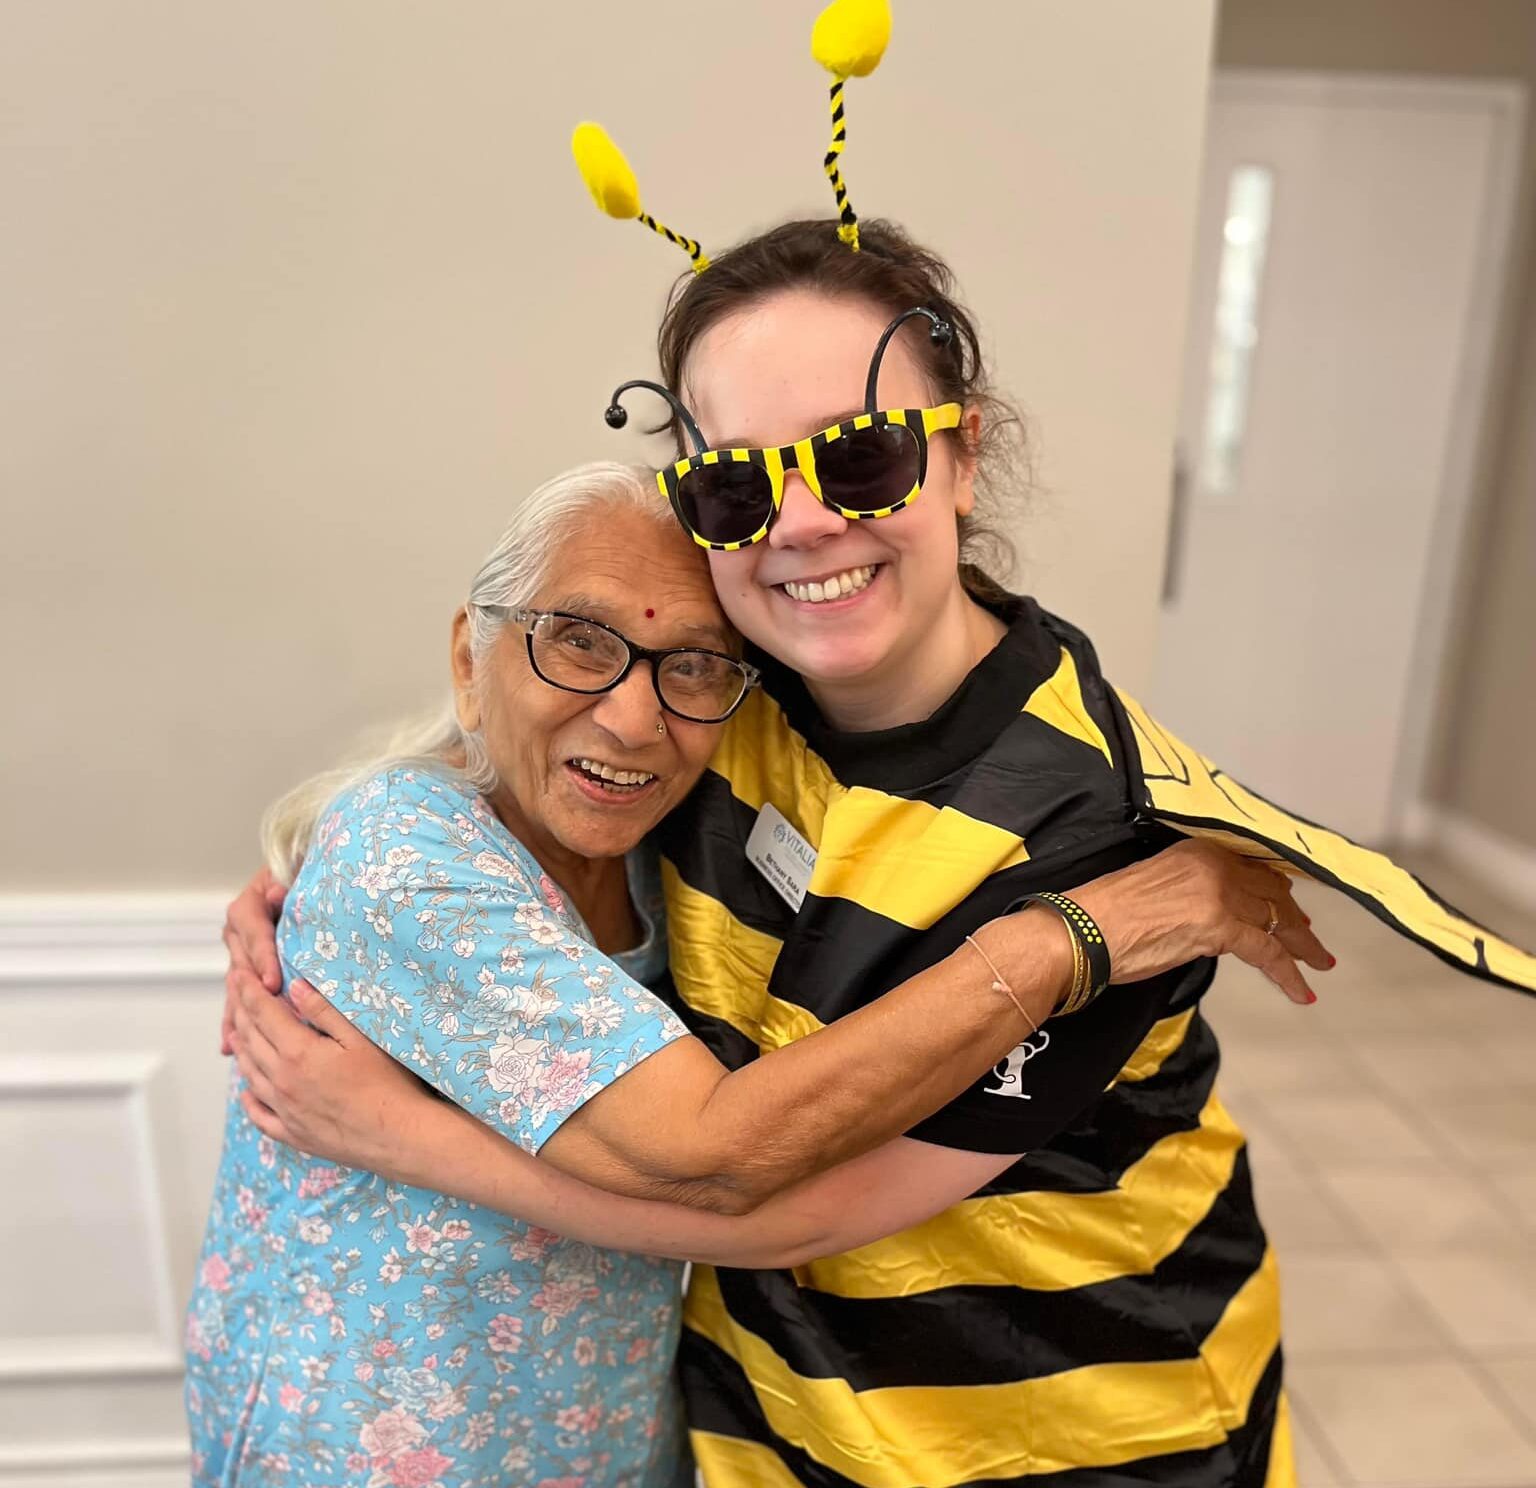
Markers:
1503,102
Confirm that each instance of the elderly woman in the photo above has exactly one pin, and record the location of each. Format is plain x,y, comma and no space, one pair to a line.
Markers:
474,904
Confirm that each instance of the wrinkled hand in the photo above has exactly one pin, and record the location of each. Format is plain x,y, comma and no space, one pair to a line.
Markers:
1197,899
250,935
325,1089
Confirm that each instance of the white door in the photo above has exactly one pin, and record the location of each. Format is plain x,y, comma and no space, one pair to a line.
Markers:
1350,236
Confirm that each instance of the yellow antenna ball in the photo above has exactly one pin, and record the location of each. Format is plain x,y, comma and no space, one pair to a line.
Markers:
606,171
850,36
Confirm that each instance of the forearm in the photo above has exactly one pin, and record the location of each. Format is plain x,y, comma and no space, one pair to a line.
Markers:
824,1099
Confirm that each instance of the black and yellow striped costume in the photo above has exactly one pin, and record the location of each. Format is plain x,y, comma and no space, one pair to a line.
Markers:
1106,1311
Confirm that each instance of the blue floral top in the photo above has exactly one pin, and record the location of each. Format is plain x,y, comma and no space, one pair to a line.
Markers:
347,1330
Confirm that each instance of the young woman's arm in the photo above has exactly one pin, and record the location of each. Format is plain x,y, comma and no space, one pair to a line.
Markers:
434,1144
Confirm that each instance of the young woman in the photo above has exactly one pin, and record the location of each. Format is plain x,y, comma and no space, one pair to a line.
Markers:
1080,1290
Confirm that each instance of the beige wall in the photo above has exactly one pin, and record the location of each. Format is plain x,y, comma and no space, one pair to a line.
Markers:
300,298
1482,764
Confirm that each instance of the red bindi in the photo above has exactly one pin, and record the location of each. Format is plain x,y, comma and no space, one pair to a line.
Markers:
650,614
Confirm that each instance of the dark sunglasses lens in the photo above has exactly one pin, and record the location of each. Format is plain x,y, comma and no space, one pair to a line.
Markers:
869,470
701,685
725,503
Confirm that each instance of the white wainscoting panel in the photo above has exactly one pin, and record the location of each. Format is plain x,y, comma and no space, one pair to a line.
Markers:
111,1109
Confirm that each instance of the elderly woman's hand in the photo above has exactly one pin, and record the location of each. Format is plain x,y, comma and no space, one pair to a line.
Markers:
1196,899
325,1088
250,935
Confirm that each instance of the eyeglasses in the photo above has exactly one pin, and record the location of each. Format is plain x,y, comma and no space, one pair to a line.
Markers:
869,466
576,654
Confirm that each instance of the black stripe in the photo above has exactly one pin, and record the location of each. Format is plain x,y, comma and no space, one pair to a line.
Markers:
720,1400
996,1335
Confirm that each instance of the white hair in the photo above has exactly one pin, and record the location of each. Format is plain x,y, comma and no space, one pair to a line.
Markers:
512,575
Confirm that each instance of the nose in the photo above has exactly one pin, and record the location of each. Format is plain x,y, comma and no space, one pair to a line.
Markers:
803,521
629,713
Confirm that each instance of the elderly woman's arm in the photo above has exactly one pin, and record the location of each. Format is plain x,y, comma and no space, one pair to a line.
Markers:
678,1126
413,1138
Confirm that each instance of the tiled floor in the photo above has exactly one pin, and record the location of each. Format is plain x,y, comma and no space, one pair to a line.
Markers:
1393,1129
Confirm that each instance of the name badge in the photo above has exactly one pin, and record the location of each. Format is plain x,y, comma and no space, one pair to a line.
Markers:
781,855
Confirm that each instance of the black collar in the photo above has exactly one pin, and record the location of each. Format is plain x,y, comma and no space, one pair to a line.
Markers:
964,726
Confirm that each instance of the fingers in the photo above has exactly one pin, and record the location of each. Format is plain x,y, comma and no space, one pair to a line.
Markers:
1249,943
256,1078
320,1015
1291,927
250,920
272,1020
266,1120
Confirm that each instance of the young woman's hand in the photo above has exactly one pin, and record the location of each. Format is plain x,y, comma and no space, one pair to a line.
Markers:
1196,899
328,1090
250,935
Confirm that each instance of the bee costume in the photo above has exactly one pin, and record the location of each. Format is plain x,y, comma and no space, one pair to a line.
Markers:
1106,1311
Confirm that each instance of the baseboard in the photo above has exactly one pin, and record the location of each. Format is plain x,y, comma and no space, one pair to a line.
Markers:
1506,868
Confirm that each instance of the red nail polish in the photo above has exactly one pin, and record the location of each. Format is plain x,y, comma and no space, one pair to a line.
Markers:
1311,998
1332,962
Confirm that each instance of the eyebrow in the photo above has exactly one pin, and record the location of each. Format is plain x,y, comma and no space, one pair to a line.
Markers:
591,608
742,442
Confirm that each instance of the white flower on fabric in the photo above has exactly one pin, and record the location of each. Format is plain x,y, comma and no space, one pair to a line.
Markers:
326,946
374,879
401,856
600,1014
464,947
496,866
515,1064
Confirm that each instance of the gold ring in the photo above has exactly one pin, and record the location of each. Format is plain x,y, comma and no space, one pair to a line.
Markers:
1274,919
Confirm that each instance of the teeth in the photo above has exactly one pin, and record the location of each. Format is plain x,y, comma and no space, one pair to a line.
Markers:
615,777
850,581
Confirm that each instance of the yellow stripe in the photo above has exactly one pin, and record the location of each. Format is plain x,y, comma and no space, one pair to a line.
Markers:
1050,1242
1282,1458
1164,1038
942,1436
732,1462
728,977
1194,791
870,843
763,759
1059,703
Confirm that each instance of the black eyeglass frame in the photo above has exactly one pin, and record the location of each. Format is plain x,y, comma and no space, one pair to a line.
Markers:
526,620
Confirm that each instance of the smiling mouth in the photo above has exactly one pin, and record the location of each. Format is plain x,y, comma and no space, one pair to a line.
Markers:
608,781
837,586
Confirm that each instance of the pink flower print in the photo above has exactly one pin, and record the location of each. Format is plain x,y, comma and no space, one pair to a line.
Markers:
585,1352
319,1301
638,1350
478,1430
582,1420
391,1432
290,1397
552,895
385,1348
216,1274
565,1482
449,1403
457,1229
318,1181
420,1237
558,1299
356,1462
434,1332
390,1269
568,1076
531,1247
363,1372
506,1334
419,1469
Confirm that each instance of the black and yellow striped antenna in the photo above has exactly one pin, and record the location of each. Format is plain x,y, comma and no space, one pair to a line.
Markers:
848,39
615,190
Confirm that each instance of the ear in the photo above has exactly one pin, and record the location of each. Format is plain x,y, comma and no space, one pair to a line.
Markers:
964,446
466,697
